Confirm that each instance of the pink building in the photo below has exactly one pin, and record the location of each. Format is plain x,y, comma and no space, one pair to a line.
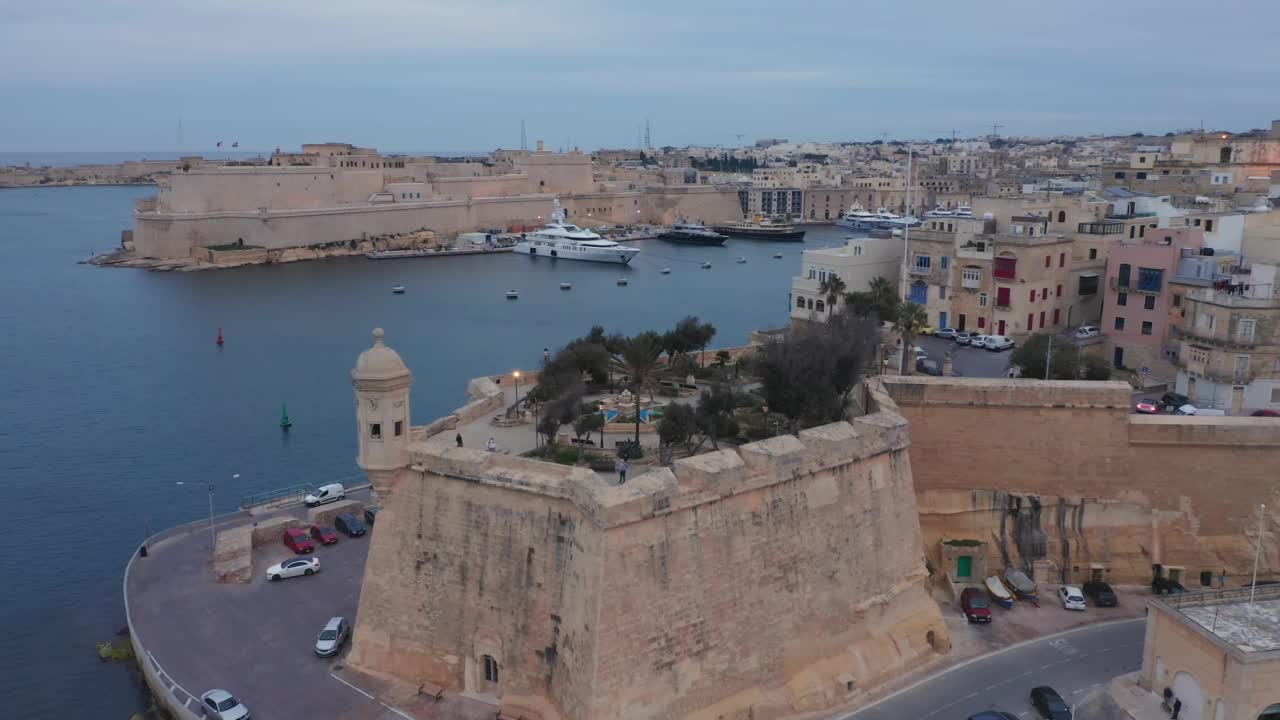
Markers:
1138,299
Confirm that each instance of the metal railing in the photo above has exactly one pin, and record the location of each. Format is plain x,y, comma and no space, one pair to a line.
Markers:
295,493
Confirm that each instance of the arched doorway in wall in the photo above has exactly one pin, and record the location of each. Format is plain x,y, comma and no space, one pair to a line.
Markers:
1187,690
1271,712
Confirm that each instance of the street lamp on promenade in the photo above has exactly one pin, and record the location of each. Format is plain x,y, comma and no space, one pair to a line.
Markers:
516,375
212,537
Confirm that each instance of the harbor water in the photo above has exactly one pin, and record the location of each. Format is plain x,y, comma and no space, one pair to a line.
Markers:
115,391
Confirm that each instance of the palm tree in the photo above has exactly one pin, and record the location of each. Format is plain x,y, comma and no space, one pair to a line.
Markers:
833,289
907,321
638,359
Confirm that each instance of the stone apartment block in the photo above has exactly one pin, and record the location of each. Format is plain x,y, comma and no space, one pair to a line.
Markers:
859,261
1229,351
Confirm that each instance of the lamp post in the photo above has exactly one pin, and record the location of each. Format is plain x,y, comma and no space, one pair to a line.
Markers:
516,375
212,537
1253,586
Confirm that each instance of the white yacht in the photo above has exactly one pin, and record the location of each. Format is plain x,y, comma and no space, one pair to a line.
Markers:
857,218
558,239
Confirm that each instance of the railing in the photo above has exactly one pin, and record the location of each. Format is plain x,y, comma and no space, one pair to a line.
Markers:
1256,297
1100,228
1215,597
295,493
1130,216
971,284
1209,336
1131,288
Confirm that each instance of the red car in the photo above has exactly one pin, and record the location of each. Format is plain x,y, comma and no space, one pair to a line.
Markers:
324,534
297,540
1146,407
975,605
1265,413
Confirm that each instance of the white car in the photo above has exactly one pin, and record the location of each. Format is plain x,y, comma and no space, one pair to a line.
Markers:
294,567
997,343
962,338
1087,331
978,341
330,640
332,492
222,705
1071,597
920,353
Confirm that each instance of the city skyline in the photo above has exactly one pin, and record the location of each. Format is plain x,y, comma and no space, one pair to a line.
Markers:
403,75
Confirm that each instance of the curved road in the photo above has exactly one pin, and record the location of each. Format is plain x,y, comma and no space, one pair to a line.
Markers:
1073,663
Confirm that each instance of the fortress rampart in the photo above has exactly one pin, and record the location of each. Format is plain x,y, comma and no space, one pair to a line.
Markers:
779,578
1066,474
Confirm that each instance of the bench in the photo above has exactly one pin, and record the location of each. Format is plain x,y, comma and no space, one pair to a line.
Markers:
434,692
579,441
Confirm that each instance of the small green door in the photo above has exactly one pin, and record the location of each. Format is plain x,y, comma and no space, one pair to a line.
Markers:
964,566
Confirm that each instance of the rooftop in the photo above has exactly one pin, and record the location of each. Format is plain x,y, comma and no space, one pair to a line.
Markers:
1250,629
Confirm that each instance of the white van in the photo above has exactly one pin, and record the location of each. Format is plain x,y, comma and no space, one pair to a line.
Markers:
332,492
996,343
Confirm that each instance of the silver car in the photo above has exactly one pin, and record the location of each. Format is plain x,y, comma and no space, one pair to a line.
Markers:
222,705
330,640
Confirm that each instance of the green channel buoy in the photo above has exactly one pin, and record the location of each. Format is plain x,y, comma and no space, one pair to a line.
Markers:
285,422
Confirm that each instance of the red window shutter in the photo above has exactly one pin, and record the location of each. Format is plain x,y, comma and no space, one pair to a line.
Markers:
982,322
1002,297
1062,259
1047,260
1031,322
1059,291
1055,316
1033,296
1041,319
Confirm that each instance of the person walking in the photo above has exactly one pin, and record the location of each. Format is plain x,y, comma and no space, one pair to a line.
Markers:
623,467
493,445
459,439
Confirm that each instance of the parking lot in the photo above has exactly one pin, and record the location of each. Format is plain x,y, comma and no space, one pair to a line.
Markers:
966,361
255,640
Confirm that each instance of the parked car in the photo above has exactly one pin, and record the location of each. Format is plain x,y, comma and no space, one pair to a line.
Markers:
928,367
370,515
978,341
332,492
1171,401
294,568
1049,703
1100,593
349,524
223,705
997,343
298,540
1264,413
1087,331
946,333
926,330
993,715
919,352
324,534
976,607
962,338
1146,407
1071,597
1190,409
330,640
1165,586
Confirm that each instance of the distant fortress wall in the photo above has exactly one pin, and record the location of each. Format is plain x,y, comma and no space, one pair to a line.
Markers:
1064,472
779,578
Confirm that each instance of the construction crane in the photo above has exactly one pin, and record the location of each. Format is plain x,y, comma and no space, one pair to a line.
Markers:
995,129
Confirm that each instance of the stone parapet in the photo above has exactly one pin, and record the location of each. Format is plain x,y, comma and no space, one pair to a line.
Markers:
271,530
233,555
324,514
927,390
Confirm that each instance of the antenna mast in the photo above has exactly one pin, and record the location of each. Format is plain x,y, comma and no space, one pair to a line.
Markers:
524,141
647,142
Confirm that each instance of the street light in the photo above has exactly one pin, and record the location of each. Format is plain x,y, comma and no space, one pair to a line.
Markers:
516,375
212,537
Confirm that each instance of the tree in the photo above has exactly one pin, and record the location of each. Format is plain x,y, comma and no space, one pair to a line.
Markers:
715,414
722,358
678,424
559,411
1068,361
585,425
638,359
907,322
808,376
832,289
878,301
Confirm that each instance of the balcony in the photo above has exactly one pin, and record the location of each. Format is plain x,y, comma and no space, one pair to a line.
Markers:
917,270
1257,297
1100,228
1214,338
1130,216
971,283
1132,288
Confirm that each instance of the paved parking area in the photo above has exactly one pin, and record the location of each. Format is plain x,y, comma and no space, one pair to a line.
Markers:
967,361
255,640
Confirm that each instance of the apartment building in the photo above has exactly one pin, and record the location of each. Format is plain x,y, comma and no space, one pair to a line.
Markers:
859,261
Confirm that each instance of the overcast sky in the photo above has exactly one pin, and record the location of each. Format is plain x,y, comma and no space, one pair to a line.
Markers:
460,74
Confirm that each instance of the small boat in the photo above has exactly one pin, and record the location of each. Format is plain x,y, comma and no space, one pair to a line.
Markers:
566,286
1023,587
622,281
741,260
219,340
513,294
998,592
777,256
665,271
706,265
398,289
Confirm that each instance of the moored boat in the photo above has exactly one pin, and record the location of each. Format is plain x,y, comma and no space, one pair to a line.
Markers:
998,592
1024,588
560,239
398,289
762,228
691,233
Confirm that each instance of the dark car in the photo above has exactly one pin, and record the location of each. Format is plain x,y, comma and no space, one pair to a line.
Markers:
976,607
349,524
1171,401
993,715
1165,586
370,515
324,534
1049,703
1264,413
1100,593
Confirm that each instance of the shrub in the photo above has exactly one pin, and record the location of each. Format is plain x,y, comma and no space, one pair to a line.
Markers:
630,450
602,464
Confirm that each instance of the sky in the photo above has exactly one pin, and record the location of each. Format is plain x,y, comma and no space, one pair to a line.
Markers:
460,75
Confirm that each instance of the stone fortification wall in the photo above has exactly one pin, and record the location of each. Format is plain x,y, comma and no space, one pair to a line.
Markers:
783,577
1064,471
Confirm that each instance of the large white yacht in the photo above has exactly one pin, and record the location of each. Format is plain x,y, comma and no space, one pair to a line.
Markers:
857,218
558,239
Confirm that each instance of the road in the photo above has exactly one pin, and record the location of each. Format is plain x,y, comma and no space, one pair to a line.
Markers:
1073,663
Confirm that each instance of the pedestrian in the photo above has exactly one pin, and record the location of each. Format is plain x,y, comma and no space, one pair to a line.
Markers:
493,445
1177,708
622,471
459,439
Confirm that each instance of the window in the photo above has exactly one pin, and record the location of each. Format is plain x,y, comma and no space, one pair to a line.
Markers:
1056,315
1093,253
1119,175
944,262
1142,231
1041,319
1150,279
1275,394
922,263
1146,327
857,249
1199,356
1204,321
982,302
1048,260
1244,330
800,303
1002,297
919,293
1242,366
1177,301
1122,299
971,277
1032,298
1119,323
942,292
1005,267
1059,291
1141,176
982,322
375,431
812,273
1122,279
1206,578
1131,231
1044,293
1062,259
821,306
399,428
490,669
1062,216
1208,226
1031,321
